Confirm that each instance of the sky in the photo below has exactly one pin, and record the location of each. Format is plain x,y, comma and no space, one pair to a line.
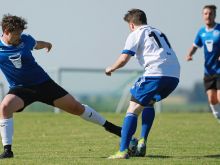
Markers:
92,33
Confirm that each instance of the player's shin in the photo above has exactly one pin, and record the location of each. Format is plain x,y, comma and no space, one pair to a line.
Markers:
6,130
215,110
148,116
91,115
128,129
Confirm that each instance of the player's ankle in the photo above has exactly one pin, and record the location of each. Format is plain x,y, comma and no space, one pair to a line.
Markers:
7,147
112,128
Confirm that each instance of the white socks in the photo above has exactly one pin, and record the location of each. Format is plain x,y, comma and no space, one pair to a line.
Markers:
91,115
6,130
215,110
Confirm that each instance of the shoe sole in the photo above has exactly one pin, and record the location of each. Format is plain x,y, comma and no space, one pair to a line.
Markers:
126,157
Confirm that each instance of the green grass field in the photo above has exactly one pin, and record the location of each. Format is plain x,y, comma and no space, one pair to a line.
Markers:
62,139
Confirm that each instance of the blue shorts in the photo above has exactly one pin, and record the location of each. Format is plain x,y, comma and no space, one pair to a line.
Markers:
148,89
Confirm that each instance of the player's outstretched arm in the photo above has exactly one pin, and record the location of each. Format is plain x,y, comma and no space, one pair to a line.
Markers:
119,63
42,45
190,54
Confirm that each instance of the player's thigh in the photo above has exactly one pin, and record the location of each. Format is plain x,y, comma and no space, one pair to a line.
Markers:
144,90
26,94
167,86
135,108
11,103
69,104
53,94
218,96
49,92
218,89
151,89
211,85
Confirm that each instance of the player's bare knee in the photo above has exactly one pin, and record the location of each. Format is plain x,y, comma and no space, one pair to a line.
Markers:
213,101
4,110
135,108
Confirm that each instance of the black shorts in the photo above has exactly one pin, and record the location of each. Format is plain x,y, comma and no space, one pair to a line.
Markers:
136,101
212,82
45,92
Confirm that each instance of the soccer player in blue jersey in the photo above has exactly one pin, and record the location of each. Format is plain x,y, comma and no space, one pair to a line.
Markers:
209,37
28,82
161,76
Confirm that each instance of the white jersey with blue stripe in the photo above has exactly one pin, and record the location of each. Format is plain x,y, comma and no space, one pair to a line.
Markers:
18,64
153,52
210,39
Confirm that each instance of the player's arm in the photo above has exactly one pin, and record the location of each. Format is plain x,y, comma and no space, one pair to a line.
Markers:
119,63
192,51
42,45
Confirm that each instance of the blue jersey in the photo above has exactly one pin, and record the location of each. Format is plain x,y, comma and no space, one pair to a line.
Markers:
18,64
210,39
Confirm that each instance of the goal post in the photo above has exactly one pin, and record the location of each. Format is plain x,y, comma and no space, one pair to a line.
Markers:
91,86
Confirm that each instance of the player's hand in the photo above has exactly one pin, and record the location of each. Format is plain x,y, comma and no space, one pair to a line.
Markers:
48,46
189,58
108,71
42,45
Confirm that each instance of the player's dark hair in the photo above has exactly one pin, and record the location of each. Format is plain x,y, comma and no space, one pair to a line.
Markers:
136,16
211,7
13,23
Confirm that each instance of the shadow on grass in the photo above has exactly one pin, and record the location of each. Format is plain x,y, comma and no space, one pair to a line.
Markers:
213,156
149,156
159,156
217,156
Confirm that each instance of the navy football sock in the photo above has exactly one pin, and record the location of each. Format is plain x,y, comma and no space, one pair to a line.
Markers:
128,129
148,116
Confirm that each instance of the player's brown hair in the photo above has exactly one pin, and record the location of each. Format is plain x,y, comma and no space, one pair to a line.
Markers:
136,16
12,23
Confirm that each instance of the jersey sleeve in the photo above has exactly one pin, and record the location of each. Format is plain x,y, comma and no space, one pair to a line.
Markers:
30,42
198,40
131,45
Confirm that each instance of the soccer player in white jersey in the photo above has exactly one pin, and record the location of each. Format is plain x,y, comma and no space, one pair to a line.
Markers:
161,76
209,37
28,82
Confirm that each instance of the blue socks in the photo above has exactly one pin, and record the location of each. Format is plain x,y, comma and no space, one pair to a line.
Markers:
128,129
130,125
148,115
